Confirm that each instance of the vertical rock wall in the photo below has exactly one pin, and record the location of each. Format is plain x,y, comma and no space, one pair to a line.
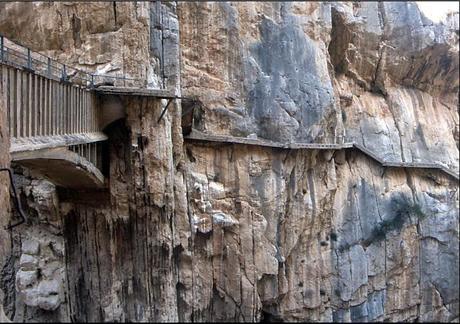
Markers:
118,250
306,235
97,37
195,232
5,245
120,246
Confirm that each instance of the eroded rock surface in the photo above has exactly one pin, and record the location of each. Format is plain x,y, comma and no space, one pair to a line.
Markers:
192,231
306,245
326,72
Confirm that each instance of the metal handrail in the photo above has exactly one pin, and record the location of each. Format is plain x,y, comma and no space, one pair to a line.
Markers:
51,68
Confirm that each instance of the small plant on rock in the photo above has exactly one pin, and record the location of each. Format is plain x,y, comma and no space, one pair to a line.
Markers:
403,209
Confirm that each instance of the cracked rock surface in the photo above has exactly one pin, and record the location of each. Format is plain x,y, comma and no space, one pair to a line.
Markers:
194,231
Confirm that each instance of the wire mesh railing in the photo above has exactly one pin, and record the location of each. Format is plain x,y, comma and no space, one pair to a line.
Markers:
19,56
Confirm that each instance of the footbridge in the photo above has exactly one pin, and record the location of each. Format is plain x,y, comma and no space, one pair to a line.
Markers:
55,120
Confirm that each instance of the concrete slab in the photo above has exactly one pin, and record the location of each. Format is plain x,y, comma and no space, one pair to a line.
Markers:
23,144
62,166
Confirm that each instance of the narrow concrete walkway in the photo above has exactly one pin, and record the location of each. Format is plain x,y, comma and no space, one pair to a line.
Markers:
199,136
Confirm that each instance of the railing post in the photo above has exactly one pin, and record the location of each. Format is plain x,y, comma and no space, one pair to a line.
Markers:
64,74
29,60
49,67
92,81
1,48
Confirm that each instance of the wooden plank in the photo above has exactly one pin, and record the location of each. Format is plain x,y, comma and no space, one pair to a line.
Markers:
18,102
78,106
14,100
53,109
93,109
47,106
45,103
59,107
32,104
23,105
36,105
90,115
75,110
78,118
78,114
4,95
26,103
29,104
7,97
62,107
83,112
68,110
41,106
86,114
71,110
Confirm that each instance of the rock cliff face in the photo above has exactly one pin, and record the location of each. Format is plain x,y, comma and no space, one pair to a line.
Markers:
331,72
194,231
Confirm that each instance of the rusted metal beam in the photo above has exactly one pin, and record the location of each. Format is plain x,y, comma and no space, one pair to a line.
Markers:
164,110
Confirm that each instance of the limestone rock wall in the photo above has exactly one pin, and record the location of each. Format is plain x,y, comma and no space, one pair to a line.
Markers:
265,68
37,286
196,232
398,81
102,255
5,211
299,235
120,245
378,74
111,271
97,37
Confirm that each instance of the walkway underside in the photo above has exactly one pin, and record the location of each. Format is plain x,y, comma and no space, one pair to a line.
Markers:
62,166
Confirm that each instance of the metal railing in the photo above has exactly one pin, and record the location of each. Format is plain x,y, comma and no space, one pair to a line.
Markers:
92,152
38,106
19,56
